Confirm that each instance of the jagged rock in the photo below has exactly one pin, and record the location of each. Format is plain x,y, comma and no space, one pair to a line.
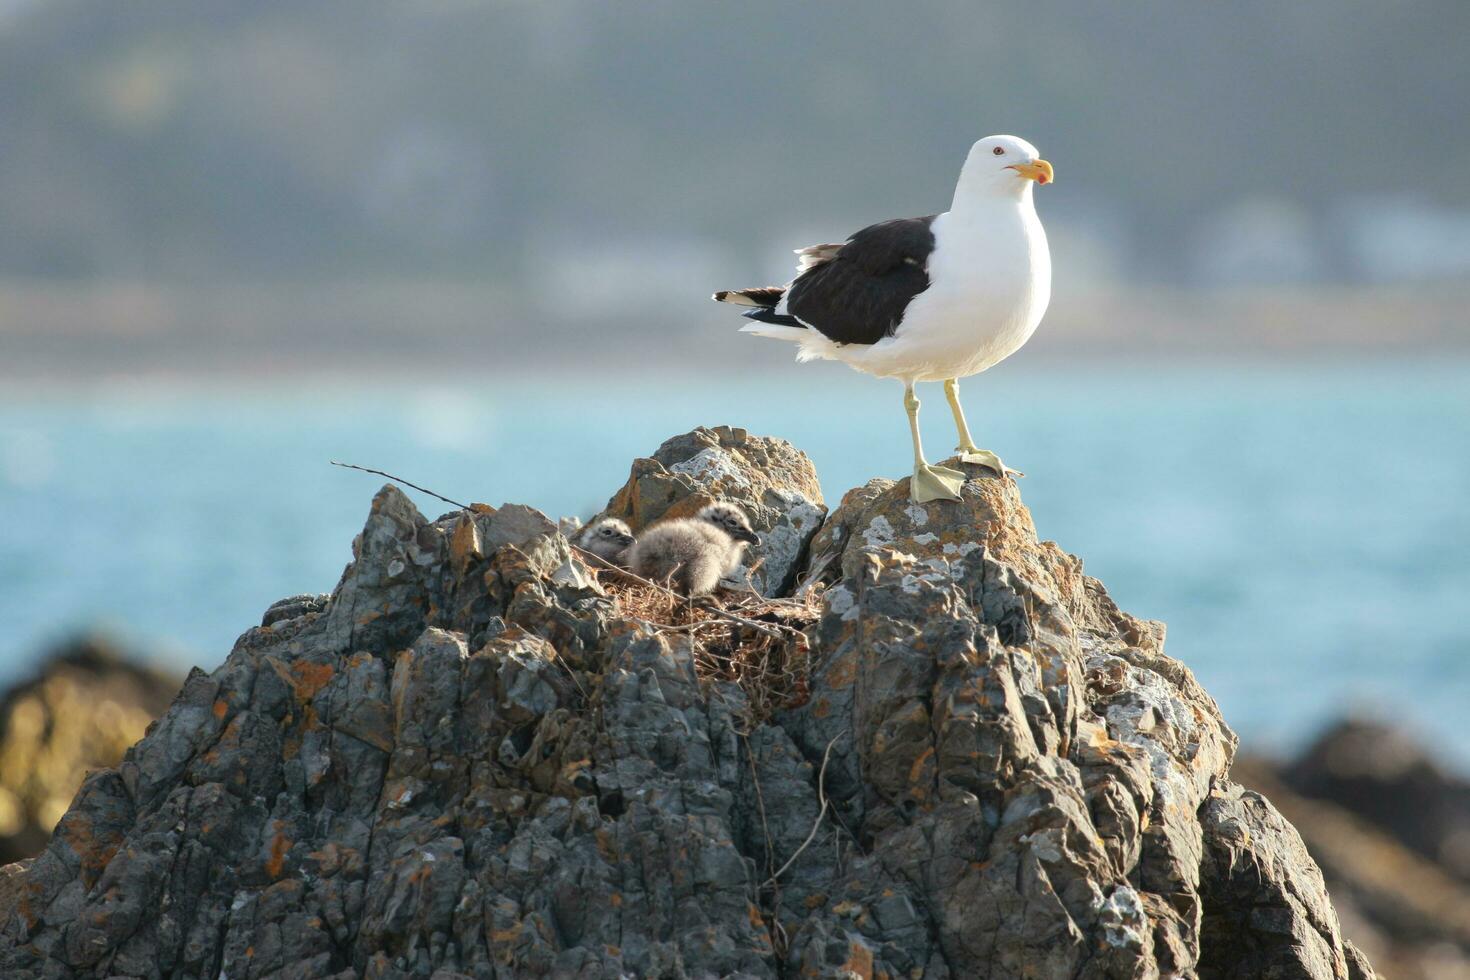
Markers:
1267,913
772,481
87,701
1408,914
470,763
1028,772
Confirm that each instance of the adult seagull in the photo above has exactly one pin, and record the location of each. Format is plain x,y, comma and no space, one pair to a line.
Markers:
926,299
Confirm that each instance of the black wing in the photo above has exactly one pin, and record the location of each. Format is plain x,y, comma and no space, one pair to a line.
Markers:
860,294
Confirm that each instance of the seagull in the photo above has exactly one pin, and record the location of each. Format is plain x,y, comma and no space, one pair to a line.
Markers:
937,298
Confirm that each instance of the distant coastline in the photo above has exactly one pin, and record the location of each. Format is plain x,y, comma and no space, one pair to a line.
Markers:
94,329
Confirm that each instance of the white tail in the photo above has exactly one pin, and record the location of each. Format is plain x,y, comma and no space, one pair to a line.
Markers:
778,331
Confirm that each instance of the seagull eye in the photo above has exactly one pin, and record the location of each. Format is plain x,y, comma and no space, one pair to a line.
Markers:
999,151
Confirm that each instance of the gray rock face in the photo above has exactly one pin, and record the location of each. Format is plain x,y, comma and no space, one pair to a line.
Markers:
1267,913
468,762
1410,914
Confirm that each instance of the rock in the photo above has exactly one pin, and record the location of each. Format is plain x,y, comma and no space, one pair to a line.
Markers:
1018,753
1383,775
772,481
469,762
1267,913
87,701
1410,915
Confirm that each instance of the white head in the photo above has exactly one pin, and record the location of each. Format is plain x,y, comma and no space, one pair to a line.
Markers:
1002,166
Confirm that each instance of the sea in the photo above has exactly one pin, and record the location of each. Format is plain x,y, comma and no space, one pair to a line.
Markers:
1303,528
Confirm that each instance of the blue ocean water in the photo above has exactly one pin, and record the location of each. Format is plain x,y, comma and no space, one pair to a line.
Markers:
1303,530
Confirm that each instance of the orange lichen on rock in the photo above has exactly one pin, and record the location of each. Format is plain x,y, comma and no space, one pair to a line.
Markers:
507,935
310,678
464,543
280,844
921,773
859,961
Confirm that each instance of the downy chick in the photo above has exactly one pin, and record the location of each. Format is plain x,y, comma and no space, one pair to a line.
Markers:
693,554
608,539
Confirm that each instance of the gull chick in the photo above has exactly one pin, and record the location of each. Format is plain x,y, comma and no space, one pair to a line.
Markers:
608,539
693,554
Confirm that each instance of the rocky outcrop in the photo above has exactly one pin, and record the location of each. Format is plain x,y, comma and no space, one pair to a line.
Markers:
774,482
472,759
1410,912
85,703
1266,910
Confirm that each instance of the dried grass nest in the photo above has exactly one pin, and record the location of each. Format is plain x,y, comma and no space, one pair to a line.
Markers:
738,636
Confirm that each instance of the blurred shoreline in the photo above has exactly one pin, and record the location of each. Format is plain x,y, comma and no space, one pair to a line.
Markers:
54,332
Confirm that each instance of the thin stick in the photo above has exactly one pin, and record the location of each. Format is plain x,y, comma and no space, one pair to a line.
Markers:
813,577
399,479
760,802
822,795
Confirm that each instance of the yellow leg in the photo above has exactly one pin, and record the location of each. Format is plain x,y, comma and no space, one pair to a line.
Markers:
929,482
967,449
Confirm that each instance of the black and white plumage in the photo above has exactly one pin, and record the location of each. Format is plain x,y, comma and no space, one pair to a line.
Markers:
608,539
693,554
857,291
936,298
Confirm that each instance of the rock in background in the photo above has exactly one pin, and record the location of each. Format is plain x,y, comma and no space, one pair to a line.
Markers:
1389,827
86,703
1385,776
468,761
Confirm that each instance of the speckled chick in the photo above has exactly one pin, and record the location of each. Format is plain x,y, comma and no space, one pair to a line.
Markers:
693,554
608,539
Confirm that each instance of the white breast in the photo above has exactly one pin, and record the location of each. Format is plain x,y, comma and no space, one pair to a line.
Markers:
990,282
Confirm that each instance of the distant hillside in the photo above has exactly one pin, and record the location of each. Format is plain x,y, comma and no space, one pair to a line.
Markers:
160,139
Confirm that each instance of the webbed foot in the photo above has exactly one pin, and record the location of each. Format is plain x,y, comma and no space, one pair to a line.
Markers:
986,458
935,483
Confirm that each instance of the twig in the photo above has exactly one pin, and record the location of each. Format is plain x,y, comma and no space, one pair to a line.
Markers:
813,576
760,802
399,479
822,795
773,632
572,674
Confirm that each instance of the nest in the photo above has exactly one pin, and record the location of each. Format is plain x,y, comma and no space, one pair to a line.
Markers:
736,636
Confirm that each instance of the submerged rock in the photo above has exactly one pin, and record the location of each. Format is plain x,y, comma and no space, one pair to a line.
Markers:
470,761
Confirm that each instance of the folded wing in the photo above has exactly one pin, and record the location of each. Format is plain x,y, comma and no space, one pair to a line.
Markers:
857,293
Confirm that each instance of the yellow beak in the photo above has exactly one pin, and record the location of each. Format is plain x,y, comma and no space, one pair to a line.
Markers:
1038,170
